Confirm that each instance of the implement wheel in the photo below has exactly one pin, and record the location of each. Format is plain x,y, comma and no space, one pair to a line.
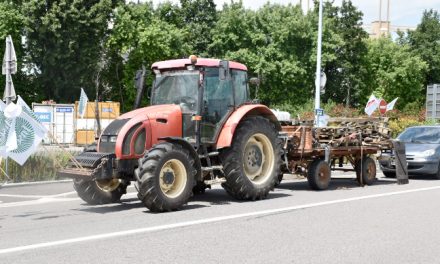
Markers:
100,191
319,175
252,163
368,174
166,177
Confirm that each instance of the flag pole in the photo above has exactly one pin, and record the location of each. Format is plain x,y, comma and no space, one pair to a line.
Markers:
8,98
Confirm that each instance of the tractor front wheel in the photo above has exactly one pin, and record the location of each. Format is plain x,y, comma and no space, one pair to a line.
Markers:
252,163
100,191
166,177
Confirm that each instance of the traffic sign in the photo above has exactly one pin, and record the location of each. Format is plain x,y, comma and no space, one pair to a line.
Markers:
319,112
382,106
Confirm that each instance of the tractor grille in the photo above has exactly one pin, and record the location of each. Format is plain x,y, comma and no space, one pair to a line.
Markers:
91,159
107,146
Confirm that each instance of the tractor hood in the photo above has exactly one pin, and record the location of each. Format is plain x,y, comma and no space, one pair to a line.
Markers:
150,112
151,123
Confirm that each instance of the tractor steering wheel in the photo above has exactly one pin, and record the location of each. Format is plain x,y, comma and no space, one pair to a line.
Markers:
187,101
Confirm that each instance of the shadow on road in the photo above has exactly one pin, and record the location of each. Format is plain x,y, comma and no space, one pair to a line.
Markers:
335,184
219,197
126,204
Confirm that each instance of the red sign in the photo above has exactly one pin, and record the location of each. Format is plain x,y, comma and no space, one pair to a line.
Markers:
383,106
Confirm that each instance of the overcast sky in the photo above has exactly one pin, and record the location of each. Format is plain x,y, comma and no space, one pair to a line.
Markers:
402,12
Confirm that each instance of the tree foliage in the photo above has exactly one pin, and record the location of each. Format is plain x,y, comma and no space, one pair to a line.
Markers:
396,72
64,42
141,38
100,44
425,42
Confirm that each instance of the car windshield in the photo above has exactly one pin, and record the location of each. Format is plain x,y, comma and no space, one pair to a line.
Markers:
176,87
429,135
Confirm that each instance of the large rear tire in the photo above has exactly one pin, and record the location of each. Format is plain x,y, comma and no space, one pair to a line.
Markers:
166,177
252,163
100,191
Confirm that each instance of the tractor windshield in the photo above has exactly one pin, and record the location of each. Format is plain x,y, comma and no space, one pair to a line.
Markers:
176,87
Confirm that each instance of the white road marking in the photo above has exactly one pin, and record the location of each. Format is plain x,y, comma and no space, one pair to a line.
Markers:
62,194
51,199
203,221
22,196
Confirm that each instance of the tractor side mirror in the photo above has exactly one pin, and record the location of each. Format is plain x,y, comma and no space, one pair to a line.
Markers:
255,81
139,81
224,70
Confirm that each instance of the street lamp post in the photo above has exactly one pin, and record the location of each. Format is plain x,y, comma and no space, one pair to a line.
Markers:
318,67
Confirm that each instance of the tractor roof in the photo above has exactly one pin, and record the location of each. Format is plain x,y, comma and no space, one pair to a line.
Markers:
181,63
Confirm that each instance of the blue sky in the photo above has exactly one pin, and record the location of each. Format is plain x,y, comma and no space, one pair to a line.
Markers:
402,12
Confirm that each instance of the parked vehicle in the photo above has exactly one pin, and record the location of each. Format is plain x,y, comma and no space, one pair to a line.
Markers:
422,146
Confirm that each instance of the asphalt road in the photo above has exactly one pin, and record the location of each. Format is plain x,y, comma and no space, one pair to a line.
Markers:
383,223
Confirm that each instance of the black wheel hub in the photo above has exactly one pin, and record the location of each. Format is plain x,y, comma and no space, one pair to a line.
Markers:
168,177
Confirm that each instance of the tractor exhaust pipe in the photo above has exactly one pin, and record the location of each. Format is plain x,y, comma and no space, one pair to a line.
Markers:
139,81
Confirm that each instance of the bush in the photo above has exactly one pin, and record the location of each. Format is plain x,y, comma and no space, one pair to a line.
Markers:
306,111
41,166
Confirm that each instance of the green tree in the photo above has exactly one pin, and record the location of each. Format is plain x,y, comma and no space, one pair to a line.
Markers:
347,74
396,72
64,42
141,38
12,22
425,42
274,42
199,16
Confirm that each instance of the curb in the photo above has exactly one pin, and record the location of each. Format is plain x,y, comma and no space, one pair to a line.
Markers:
6,184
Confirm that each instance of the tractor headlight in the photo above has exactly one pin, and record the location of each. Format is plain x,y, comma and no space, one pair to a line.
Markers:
127,139
112,139
139,144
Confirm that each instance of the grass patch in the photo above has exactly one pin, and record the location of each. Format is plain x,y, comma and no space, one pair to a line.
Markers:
41,166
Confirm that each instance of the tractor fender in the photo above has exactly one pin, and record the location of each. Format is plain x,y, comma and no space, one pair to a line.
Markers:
227,132
186,145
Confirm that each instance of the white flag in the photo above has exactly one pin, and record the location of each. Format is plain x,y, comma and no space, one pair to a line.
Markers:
28,137
390,106
5,125
9,58
372,105
25,108
12,111
12,95
82,105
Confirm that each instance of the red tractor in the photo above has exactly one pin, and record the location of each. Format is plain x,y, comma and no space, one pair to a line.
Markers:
201,128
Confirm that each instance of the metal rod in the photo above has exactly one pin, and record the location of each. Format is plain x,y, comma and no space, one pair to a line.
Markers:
388,18
318,66
380,18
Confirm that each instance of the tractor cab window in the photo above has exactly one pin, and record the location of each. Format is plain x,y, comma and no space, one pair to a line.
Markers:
240,82
177,87
218,100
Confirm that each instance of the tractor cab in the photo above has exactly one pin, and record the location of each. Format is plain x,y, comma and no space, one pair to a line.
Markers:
207,91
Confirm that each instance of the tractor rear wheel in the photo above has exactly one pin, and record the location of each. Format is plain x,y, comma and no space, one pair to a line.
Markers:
166,177
100,191
252,163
